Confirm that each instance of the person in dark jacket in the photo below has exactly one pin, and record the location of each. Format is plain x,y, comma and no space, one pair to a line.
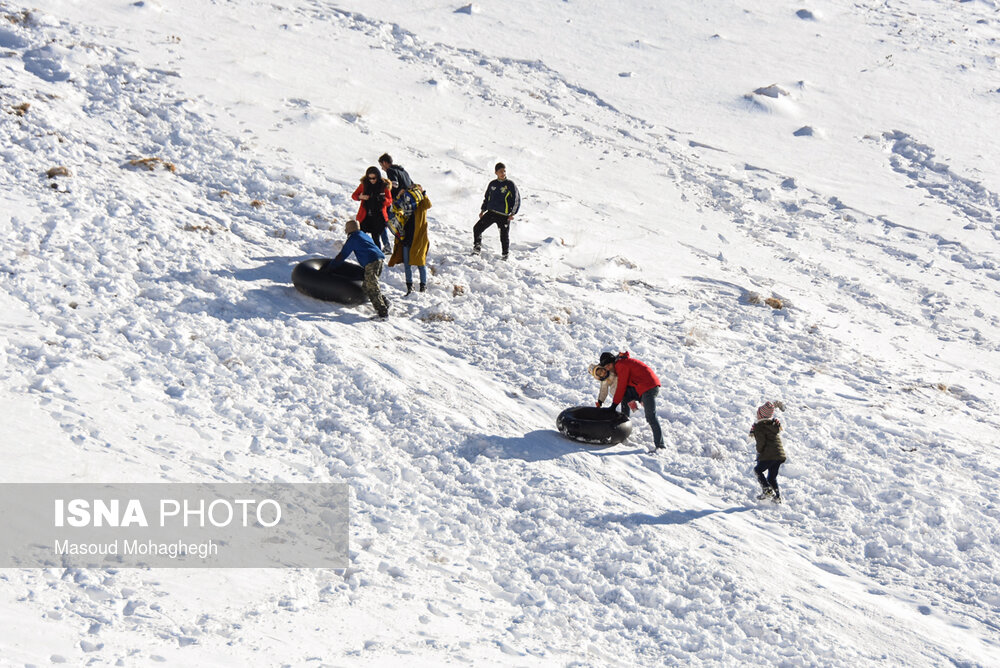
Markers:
369,257
770,451
500,204
375,195
635,376
397,175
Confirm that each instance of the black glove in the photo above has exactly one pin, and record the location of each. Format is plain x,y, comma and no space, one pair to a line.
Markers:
614,407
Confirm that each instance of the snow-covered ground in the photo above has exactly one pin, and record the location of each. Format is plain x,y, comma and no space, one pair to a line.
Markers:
678,163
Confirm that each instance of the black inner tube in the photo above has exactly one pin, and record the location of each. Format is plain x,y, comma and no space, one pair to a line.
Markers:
590,424
595,414
342,285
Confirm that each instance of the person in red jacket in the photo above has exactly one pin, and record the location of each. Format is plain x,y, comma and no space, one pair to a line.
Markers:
375,196
636,375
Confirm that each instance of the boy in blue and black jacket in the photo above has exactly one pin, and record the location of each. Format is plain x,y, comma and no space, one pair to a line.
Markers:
396,174
500,203
369,257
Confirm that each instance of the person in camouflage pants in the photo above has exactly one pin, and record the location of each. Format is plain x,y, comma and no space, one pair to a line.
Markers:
371,287
369,257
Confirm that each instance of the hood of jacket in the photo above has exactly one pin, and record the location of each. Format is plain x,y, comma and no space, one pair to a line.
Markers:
593,368
767,426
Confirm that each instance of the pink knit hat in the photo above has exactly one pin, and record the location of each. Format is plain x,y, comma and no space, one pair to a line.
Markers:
766,411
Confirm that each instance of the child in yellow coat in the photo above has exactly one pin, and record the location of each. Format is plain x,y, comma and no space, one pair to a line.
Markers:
412,242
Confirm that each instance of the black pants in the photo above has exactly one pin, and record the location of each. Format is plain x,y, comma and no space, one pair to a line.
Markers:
771,466
375,226
631,394
489,218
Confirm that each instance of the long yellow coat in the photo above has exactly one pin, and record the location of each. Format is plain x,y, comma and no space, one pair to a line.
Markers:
418,249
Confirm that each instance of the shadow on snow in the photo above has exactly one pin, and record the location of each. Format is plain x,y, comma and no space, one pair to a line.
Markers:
536,446
671,516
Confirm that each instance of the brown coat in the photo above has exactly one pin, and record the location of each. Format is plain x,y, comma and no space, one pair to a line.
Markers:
607,385
769,446
421,243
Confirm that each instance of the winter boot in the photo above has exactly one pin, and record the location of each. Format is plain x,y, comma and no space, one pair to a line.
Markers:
423,287
409,288
766,494
476,249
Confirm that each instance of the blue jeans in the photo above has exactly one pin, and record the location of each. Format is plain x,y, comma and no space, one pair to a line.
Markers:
406,267
648,400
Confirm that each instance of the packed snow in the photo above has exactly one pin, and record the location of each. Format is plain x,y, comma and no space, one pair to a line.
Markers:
760,200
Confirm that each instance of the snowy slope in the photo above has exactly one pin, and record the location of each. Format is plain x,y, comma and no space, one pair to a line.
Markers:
150,332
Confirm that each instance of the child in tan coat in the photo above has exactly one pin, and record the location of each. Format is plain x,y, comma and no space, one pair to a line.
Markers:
609,383
608,380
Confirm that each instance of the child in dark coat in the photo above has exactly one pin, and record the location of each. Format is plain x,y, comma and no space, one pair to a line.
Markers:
770,451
